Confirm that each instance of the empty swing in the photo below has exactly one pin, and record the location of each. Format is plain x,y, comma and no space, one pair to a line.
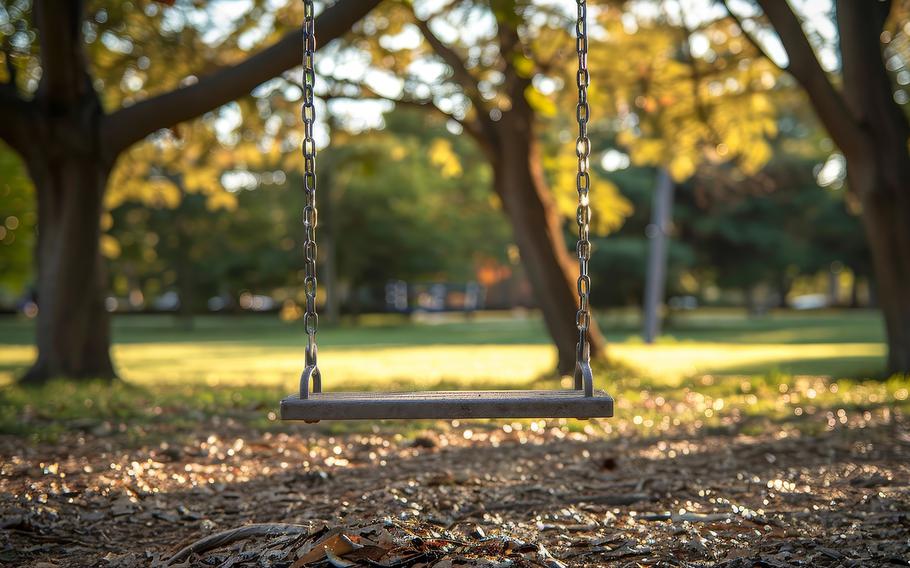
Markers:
311,404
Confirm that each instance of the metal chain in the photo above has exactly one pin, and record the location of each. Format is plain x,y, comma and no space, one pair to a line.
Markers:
583,184
310,317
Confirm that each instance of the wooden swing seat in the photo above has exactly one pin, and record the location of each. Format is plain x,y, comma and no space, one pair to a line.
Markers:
447,405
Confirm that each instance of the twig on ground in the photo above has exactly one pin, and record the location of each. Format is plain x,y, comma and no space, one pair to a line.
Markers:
217,540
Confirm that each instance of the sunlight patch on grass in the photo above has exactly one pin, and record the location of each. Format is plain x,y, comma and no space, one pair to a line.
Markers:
465,366
674,362
470,366
14,359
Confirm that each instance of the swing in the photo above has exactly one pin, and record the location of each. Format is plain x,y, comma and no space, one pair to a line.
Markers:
311,404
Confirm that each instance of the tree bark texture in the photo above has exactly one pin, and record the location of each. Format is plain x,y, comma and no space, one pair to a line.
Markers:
73,331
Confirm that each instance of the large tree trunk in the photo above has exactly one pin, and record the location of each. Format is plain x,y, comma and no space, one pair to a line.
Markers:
878,166
886,218
64,157
73,331
537,227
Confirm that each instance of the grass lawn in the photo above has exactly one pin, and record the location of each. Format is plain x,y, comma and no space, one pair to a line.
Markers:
493,350
245,364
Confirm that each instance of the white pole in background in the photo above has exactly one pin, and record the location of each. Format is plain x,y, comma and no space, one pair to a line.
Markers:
657,233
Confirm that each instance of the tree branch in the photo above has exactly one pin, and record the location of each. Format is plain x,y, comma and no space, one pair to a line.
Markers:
804,66
472,127
128,125
463,75
224,538
483,128
751,38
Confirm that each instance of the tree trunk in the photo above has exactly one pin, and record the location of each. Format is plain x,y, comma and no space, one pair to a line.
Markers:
878,164
886,218
833,286
537,226
73,331
751,300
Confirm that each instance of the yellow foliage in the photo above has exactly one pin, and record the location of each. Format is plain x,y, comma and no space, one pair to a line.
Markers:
203,180
161,192
110,248
681,167
221,200
398,152
159,171
542,104
681,111
523,65
609,208
132,180
444,157
249,155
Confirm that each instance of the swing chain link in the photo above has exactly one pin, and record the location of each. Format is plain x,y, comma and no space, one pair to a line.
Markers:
310,317
583,185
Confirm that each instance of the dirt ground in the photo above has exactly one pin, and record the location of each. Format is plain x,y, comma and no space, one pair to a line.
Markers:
480,494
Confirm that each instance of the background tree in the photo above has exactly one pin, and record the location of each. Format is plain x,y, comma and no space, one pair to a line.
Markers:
69,129
680,113
492,69
696,96
857,95
681,100
397,211
424,216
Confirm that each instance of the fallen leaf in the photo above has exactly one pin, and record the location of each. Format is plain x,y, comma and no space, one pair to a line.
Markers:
338,544
336,561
